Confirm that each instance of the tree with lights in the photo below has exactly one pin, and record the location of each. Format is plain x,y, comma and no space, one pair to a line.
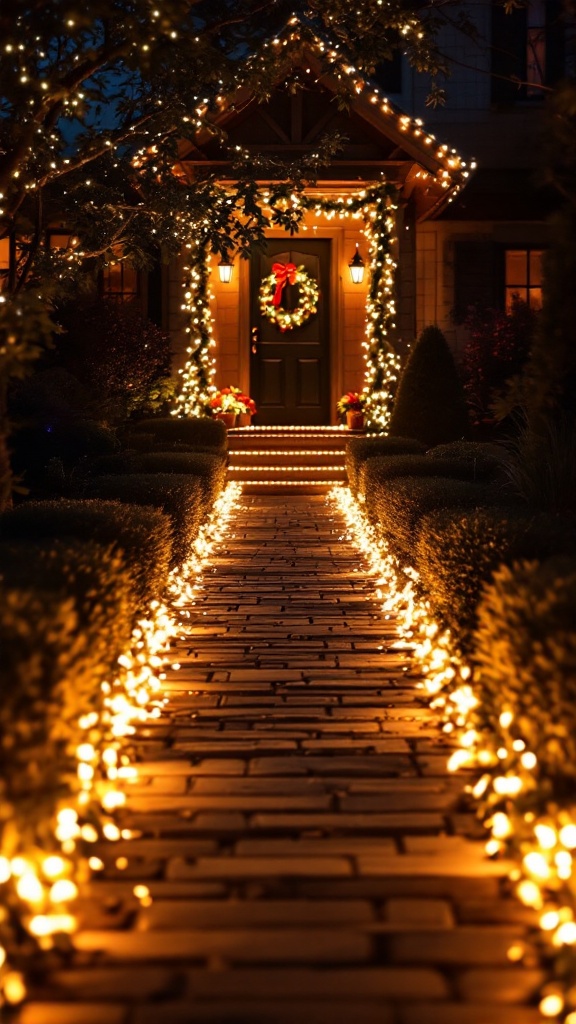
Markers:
93,104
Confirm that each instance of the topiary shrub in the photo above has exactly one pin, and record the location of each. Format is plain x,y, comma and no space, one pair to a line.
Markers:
397,505
181,497
359,449
487,458
144,535
204,431
209,467
96,576
430,403
457,552
525,655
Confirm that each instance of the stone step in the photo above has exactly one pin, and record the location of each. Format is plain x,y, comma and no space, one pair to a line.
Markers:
287,457
289,437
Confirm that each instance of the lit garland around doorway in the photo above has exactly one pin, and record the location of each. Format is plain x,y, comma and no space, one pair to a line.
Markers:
376,206
197,376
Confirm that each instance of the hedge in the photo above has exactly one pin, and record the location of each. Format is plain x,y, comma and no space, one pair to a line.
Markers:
97,576
385,467
526,662
180,496
486,458
398,504
359,449
47,680
457,552
144,535
202,431
210,468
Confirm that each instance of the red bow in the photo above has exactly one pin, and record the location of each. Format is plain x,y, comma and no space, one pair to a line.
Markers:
284,272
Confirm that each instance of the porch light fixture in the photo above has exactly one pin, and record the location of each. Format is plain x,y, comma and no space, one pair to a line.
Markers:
225,271
357,267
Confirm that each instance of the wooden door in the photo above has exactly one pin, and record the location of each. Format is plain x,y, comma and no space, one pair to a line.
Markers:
289,370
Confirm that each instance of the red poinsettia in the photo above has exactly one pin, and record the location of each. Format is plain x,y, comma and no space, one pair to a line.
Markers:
351,402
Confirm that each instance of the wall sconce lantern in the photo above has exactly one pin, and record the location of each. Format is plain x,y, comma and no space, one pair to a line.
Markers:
357,267
225,271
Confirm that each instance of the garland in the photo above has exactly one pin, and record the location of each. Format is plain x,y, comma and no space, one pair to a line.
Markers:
375,206
270,296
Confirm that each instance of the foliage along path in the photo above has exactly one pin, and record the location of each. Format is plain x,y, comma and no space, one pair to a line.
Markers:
302,853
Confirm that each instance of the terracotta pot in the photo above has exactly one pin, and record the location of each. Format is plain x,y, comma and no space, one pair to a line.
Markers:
244,419
228,419
355,420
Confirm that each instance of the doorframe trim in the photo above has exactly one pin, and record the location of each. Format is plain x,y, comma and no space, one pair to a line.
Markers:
336,311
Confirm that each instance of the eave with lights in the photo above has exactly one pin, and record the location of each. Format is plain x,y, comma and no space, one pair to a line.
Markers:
389,176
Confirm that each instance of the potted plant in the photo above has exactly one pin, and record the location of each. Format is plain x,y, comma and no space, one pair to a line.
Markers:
249,410
352,406
226,405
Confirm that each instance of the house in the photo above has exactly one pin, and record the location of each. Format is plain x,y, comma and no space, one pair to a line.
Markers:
435,232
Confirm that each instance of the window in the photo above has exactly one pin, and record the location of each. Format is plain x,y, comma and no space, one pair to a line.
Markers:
528,50
62,239
523,270
4,262
535,47
120,282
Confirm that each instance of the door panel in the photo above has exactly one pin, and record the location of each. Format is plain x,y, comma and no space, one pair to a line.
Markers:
308,380
273,384
290,371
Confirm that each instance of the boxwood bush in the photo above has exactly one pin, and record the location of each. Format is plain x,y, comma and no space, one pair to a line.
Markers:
180,496
48,678
486,459
143,534
359,449
457,552
210,468
96,576
384,467
397,505
526,661
203,431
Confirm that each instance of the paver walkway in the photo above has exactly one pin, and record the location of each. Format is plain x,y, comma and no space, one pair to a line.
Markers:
307,854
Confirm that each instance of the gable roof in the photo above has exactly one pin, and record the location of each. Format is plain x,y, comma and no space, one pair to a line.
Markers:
303,104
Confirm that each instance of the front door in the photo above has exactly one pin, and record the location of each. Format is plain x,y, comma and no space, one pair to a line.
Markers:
289,369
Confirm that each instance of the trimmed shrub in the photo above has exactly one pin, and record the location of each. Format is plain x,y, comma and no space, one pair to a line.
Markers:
487,458
205,431
96,576
143,534
47,680
384,467
398,505
526,661
181,497
210,468
359,449
430,403
457,552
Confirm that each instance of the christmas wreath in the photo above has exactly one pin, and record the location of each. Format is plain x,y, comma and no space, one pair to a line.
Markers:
271,296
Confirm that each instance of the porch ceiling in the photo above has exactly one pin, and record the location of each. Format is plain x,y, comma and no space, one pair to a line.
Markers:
378,140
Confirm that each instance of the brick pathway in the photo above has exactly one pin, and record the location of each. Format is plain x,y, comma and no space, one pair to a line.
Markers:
308,856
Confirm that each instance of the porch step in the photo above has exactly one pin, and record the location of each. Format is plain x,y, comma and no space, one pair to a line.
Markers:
289,460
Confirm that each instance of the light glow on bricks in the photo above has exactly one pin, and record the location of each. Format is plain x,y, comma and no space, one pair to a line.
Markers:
540,844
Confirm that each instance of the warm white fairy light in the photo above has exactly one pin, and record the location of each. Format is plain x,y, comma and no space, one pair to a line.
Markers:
542,845
47,883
